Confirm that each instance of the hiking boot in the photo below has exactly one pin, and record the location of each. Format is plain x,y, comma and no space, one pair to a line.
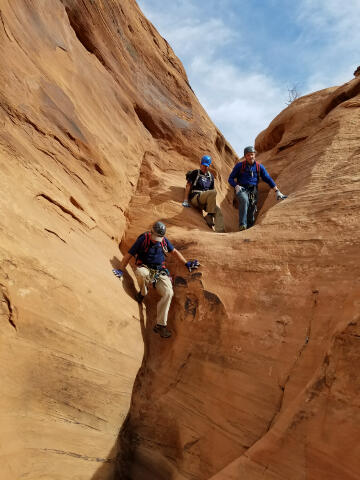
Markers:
242,227
139,297
209,219
162,329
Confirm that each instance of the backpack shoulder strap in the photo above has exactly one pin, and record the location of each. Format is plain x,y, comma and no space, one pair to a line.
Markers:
146,243
144,247
164,246
258,171
197,178
243,166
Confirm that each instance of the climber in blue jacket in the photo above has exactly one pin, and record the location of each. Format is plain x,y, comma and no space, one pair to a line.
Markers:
245,178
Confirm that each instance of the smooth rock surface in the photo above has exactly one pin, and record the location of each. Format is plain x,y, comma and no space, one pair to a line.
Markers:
260,379
92,99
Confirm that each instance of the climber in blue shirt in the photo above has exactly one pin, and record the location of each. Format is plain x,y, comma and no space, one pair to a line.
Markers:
150,251
245,178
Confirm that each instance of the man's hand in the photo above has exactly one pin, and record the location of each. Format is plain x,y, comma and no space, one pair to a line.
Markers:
280,196
118,273
186,204
192,265
238,189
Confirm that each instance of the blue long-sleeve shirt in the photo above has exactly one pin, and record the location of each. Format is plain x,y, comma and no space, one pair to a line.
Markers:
249,176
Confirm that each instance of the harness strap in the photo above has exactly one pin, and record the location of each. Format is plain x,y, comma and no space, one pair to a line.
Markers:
156,272
243,167
197,178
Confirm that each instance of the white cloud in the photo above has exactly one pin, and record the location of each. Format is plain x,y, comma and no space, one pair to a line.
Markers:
331,35
241,87
241,103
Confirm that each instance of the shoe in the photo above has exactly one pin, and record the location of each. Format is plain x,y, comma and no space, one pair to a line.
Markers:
242,227
139,297
162,329
209,219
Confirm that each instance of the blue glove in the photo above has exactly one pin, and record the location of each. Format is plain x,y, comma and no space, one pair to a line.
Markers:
185,203
118,273
192,265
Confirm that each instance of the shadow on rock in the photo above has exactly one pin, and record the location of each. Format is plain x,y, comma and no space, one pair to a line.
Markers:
151,440
173,193
127,281
115,466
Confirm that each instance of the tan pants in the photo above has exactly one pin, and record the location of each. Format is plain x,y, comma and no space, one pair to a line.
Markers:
207,201
163,286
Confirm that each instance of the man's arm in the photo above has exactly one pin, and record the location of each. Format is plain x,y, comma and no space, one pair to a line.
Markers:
187,192
233,175
190,265
125,261
266,177
126,258
179,256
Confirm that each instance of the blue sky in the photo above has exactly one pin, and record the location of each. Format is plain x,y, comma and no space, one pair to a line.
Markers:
242,56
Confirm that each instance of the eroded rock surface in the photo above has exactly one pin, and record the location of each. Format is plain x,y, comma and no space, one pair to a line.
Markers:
94,108
98,127
269,372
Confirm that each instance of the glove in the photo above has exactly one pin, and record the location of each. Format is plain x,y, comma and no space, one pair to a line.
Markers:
192,265
185,203
280,196
118,273
238,188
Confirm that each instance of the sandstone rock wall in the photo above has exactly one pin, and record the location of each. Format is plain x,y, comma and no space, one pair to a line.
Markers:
98,127
259,381
91,96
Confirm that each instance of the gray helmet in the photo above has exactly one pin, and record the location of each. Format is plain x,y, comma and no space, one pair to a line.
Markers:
249,150
159,229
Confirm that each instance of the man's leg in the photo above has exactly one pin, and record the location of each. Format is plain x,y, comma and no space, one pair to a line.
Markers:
251,214
199,201
165,289
142,275
208,201
243,199
219,221
195,202
252,209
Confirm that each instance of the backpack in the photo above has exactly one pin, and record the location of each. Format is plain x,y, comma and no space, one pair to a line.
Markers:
146,245
243,166
188,175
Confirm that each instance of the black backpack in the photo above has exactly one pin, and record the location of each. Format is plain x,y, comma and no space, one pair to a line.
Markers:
199,172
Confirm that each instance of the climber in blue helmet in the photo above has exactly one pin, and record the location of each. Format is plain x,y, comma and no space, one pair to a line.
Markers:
200,193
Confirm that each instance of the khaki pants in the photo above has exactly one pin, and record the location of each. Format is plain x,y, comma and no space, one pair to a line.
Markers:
207,201
163,286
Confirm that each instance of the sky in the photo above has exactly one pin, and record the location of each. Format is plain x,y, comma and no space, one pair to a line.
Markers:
243,56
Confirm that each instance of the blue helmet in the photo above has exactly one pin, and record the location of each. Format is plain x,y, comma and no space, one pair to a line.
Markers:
206,160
